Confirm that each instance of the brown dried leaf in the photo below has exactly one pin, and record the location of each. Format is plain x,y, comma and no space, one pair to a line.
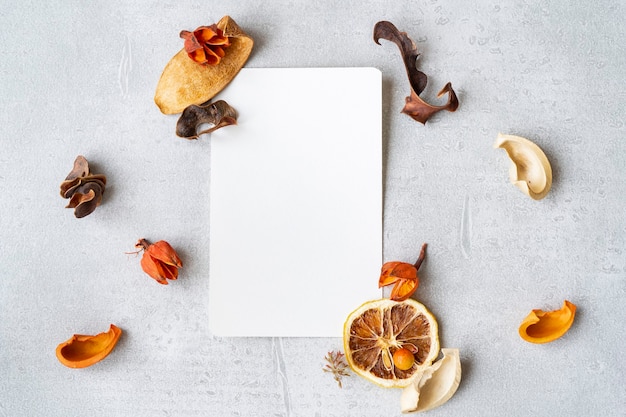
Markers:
408,49
218,114
415,106
421,111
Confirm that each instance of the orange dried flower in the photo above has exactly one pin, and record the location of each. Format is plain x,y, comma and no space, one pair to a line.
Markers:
206,44
403,275
159,260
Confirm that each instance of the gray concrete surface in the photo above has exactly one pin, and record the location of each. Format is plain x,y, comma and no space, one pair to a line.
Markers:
78,78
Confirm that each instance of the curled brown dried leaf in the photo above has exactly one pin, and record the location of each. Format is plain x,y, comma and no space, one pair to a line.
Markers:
218,114
415,106
83,188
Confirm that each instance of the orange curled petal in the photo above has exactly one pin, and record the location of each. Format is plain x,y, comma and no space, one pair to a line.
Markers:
211,35
546,326
164,252
211,57
198,55
154,268
81,351
404,277
391,272
403,289
205,33
386,278
404,270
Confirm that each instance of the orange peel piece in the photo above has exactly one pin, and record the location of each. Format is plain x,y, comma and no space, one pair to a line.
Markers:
546,326
81,351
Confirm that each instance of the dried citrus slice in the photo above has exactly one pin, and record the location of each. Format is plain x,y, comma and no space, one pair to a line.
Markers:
377,329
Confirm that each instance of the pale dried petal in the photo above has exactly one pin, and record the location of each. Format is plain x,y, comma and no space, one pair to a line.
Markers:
530,169
434,385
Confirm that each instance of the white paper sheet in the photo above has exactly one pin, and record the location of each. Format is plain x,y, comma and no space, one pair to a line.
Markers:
296,202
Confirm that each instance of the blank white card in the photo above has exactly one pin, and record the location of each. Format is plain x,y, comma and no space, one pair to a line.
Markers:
296,202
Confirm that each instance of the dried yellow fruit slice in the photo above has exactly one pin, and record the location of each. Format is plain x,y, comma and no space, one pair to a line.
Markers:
185,82
377,329
546,326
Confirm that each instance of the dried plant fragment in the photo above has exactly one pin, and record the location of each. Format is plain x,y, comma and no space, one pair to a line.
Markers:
206,44
83,188
421,111
218,114
81,351
184,82
336,365
415,107
434,385
402,275
408,50
546,326
530,169
159,260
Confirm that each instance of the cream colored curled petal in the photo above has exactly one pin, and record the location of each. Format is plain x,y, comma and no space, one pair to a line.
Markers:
530,170
434,385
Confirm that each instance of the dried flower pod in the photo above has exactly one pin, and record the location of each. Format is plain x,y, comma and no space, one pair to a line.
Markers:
206,44
81,351
83,188
218,114
434,385
415,107
530,169
159,260
403,275
184,82
546,326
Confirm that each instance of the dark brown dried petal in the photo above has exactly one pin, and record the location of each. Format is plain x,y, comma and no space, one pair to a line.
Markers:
83,188
421,111
387,30
218,114
415,107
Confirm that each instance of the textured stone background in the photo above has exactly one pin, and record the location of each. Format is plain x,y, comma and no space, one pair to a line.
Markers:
78,78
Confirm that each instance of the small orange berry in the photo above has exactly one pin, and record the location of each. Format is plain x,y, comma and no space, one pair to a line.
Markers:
403,359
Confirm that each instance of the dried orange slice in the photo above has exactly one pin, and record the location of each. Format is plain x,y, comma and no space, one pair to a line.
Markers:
377,329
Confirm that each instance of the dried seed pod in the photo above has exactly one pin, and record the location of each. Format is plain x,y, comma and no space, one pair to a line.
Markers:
206,44
530,169
81,351
546,326
434,385
402,275
415,107
159,260
218,114
185,82
83,188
